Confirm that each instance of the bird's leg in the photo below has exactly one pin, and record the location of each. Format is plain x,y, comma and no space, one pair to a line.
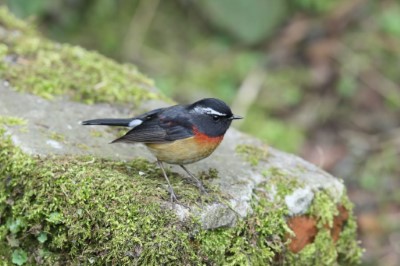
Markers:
171,190
198,182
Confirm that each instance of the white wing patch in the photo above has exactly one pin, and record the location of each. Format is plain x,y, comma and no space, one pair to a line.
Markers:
207,110
135,123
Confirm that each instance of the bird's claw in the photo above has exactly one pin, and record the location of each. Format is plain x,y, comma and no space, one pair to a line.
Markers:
174,199
202,188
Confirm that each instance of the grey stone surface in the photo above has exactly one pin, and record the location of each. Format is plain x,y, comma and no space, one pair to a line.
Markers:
237,178
299,201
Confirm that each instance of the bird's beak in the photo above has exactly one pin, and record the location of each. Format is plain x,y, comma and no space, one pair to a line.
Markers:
236,117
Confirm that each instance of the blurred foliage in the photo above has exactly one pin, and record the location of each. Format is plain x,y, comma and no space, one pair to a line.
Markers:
389,21
285,136
216,73
316,6
23,8
257,23
283,88
89,23
382,164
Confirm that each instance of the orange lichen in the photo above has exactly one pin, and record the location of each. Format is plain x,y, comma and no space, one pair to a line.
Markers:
305,229
338,222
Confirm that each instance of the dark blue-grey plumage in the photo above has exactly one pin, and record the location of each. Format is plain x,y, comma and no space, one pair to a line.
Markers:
107,122
174,123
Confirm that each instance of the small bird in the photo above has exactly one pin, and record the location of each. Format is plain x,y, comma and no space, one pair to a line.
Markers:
179,134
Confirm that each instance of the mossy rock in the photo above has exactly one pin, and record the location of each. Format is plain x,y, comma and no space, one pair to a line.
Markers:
50,69
69,198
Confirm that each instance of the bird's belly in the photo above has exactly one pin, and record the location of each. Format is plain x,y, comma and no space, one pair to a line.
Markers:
184,151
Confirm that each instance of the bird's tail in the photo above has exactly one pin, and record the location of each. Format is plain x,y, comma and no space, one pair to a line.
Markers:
108,122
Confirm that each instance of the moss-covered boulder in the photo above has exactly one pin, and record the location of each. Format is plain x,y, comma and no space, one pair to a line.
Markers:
68,197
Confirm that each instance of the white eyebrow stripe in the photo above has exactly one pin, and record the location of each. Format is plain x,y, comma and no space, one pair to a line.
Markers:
207,110
135,123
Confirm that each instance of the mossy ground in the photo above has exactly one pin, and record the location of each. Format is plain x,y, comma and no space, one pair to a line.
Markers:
252,154
82,209
49,69
87,210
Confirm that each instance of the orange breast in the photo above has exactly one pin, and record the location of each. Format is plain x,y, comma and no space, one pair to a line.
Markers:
202,138
187,150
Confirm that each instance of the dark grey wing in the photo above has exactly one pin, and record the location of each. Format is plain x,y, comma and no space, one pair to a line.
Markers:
159,127
148,132
150,114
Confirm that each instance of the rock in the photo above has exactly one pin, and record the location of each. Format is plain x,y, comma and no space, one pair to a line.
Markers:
299,201
66,195
236,179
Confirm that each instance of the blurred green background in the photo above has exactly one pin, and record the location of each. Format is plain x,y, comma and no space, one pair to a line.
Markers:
316,78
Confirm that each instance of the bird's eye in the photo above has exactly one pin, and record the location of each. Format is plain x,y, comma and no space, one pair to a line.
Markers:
215,117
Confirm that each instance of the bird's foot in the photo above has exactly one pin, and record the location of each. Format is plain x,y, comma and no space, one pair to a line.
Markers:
194,180
201,188
174,199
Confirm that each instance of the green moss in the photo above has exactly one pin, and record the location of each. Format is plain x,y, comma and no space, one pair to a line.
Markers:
321,252
251,153
348,247
212,174
89,209
281,184
12,121
10,22
57,136
324,208
96,133
51,69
